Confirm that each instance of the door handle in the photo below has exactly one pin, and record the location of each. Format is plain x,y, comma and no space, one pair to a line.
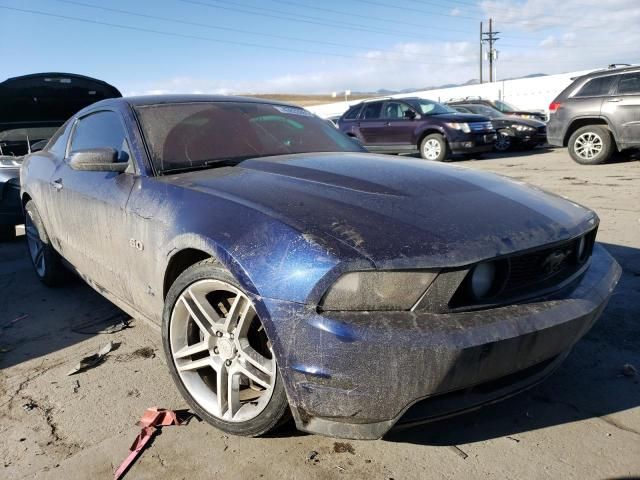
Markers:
614,100
57,184
388,124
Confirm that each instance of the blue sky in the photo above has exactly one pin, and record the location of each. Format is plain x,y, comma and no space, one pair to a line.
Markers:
357,44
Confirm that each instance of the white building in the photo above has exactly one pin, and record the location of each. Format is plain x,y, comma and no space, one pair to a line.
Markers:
525,93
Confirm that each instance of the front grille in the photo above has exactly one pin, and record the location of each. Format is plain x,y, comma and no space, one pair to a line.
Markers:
480,126
529,274
542,130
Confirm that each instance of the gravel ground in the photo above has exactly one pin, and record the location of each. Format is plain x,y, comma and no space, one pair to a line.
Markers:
583,423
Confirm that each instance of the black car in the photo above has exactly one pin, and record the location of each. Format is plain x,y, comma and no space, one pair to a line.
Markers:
32,108
512,131
410,125
501,106
597,114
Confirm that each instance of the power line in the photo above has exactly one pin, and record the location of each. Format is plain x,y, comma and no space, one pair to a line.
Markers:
229,29
208,39
367,17
405,8
340,25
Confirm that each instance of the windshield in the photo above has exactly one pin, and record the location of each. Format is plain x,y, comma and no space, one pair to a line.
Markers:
486,111
428,107
184,136
14,142
504,106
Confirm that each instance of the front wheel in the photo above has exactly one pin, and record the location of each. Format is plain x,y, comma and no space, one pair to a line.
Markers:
503,142
591,145
219,354
434,147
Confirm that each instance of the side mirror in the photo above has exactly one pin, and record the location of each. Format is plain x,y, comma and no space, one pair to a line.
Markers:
97,160
411,115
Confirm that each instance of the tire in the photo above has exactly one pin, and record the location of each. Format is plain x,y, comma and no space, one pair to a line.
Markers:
503,143
46,262
193,356
7,233
434,147
591,145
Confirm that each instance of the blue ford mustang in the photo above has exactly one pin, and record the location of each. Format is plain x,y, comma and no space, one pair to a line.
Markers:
294,273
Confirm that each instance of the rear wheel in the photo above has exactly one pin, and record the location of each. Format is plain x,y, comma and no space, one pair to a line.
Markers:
219,354
434,147
46,261
591,145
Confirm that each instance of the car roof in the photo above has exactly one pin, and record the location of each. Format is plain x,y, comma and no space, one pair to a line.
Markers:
609,71
144,100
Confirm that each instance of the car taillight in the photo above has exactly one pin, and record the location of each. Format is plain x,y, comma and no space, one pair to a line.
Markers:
554,106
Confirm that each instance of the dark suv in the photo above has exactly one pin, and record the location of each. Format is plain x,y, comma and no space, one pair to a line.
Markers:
409,125
597,114
501,106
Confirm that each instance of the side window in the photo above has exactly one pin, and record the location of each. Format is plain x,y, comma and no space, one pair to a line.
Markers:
58,143
395,110
352,113
101,130
372,110
596,87
629,84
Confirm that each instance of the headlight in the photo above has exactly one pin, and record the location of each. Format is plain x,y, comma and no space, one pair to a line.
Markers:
522,128
393,290
460,126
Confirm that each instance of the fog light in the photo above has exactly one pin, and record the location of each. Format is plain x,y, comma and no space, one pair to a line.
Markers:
468,144
483,279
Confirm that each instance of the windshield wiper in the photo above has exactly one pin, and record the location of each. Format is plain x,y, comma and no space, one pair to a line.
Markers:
217,162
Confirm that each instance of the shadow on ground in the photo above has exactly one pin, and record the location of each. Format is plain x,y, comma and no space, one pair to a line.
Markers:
36,320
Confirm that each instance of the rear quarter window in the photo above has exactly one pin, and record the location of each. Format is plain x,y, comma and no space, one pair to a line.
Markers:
629,84
596,87
352,113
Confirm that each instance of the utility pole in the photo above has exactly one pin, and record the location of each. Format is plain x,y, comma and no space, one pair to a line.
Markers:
480,52
490,37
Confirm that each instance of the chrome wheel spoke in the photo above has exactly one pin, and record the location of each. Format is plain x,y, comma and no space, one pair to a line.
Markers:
189,350
237,312
233,394
250,356
254,374
189,365
198,313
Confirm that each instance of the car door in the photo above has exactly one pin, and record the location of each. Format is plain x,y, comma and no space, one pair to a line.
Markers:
625,105
89,206
370,126
400,123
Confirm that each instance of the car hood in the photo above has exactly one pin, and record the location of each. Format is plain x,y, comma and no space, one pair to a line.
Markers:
48,99
460,117
398,213
523,121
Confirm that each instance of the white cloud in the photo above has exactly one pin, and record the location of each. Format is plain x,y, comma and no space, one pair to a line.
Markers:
538,36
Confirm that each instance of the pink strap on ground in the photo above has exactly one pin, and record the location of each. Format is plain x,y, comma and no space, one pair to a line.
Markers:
151,418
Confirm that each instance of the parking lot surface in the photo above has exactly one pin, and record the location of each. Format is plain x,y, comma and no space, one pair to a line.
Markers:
584,422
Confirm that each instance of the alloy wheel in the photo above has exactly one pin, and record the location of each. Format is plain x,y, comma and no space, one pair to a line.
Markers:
36,246
432,149
503,142
221,352
588,145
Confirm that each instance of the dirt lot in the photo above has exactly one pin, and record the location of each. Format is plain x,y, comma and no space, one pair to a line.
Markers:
584,422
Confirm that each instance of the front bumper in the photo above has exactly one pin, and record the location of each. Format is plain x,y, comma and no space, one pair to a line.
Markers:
356,374
473,143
